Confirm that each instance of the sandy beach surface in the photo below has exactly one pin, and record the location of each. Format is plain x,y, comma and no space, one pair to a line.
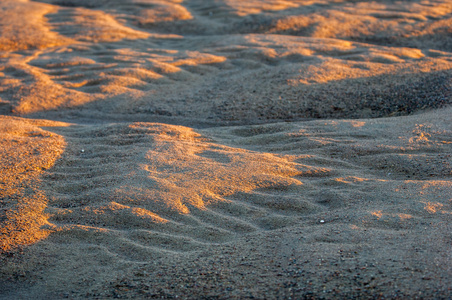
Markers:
225,149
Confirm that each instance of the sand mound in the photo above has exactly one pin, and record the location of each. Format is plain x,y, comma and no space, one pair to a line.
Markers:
169,187
225,149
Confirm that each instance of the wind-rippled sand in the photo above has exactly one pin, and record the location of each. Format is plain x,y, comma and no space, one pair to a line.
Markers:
225,149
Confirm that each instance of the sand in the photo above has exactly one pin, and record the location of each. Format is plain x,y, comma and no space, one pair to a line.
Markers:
225,149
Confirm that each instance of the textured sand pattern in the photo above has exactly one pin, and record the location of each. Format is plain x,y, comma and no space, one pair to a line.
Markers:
133,195
169,188
309,75
268,149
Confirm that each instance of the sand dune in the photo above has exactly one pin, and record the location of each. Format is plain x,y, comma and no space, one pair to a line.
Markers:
225,149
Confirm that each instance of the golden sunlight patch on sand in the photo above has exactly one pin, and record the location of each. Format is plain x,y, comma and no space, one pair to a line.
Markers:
170,181
23,26
264,148
26,151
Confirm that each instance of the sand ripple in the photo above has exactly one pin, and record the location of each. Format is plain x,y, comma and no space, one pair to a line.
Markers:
225,62
228,148
151,183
